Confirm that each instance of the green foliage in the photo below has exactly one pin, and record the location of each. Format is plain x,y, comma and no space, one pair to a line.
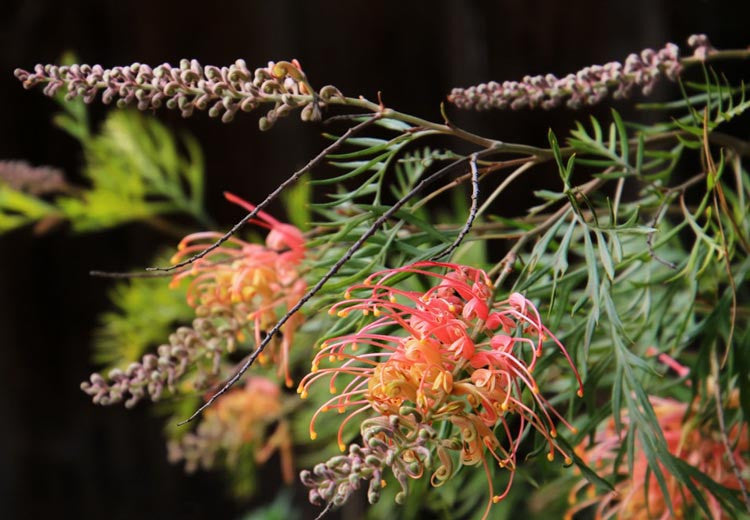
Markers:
641,246
282,508
145,312
136,172
19,209
135,168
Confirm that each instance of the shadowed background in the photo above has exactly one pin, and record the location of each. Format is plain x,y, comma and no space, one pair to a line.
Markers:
60,455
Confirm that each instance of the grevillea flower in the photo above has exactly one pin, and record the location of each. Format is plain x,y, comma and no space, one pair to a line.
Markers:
252,417
588,86
236,290
637,494
450,353
223,91
254,280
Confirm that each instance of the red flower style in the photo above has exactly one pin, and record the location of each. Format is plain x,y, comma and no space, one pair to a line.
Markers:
254,280
456,355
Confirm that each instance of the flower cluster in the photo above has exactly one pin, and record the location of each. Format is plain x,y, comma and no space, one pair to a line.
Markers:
236,290
39,180
254,280
451,353
588,86
637,493
223,91
240,419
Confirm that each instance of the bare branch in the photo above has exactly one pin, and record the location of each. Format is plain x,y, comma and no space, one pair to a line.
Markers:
331,272
472,211
272,196
325,510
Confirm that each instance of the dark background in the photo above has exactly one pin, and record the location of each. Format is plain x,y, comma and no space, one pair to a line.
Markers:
59,455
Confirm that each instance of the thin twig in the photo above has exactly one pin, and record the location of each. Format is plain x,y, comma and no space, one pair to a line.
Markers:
325,510
137,274
651,234
712,173
506,182
483,172
663,207
618,197
723,430
275,193
472,210
271,333
162,274
504,265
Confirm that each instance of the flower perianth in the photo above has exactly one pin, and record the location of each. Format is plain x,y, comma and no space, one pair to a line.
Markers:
637,493
252,416
223,91
237,291
255,280
450,353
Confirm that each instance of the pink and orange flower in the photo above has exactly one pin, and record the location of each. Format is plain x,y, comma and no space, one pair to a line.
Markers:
254,280
453,353
637,494
242,417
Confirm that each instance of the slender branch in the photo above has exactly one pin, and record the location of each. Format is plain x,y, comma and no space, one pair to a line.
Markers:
137,274
723,430
270,334
472,210
506,182
275,193
717,55
483,173
663,207
651,234
325,510
503,266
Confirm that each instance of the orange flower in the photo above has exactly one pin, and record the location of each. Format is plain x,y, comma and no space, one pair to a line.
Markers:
456,356
638,495
253,280
239,418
